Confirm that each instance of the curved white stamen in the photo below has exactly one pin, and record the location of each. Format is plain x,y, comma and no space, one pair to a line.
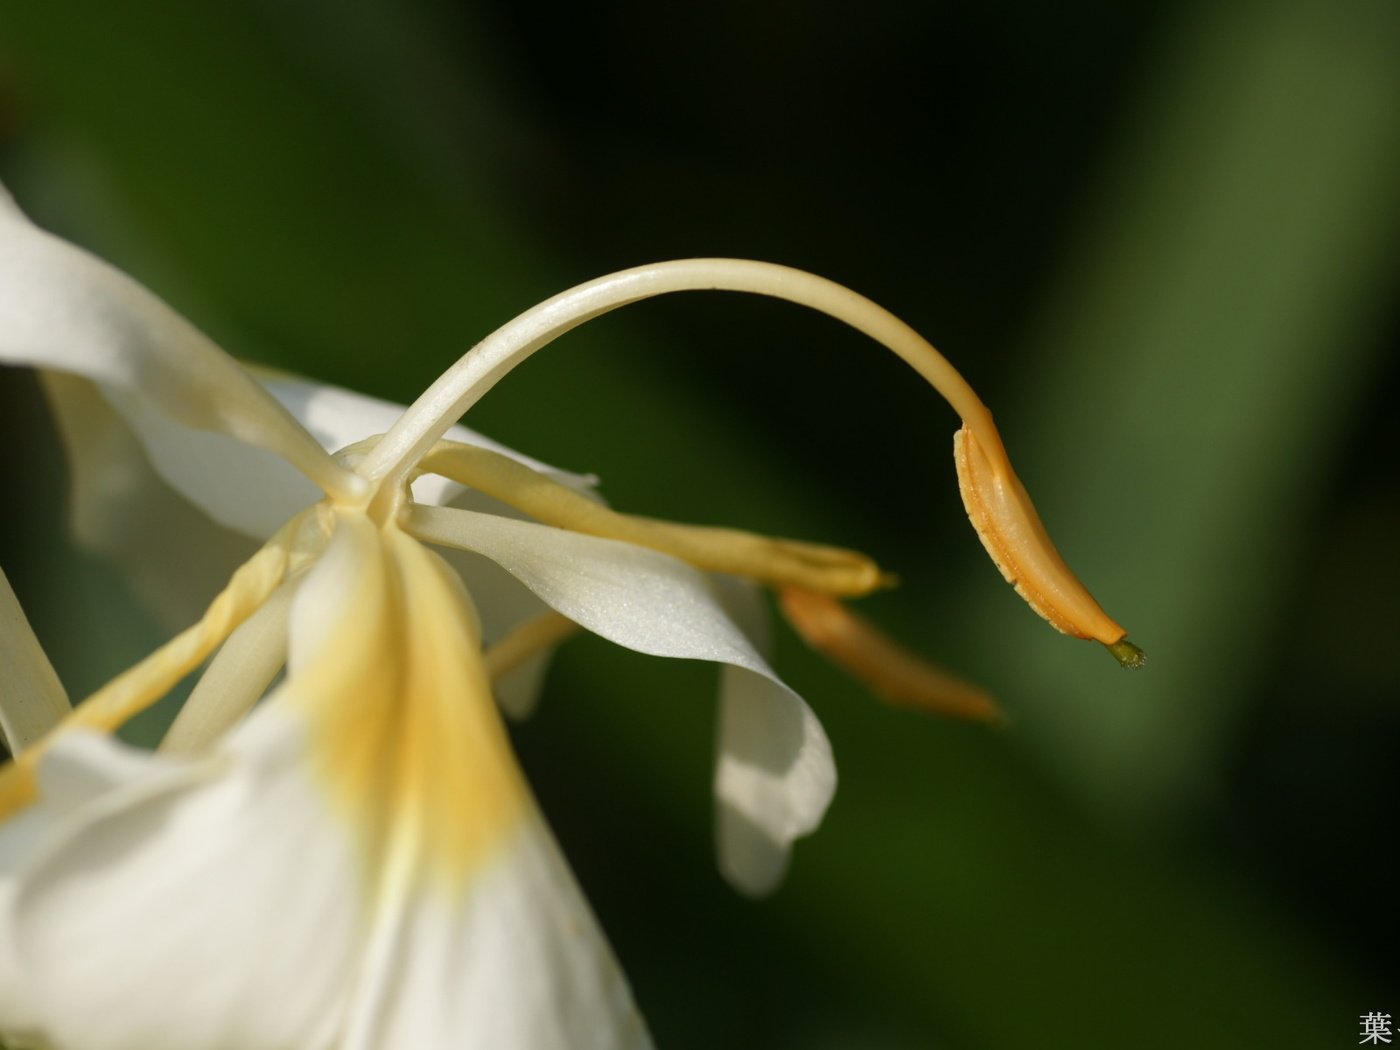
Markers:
482,367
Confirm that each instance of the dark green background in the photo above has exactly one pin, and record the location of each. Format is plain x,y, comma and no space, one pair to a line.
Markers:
1160,239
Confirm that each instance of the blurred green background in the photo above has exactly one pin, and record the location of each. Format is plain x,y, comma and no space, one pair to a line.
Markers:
1160,238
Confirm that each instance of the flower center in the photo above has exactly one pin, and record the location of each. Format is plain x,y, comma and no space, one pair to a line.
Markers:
382,500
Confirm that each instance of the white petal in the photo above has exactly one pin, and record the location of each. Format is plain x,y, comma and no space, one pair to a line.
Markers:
61,308
212,902
776,775
239,486
76,769
254,493
236,678
762,801
481,938
391,853
774,779
635,597
174,556
32,700
520,965
200,906
503,601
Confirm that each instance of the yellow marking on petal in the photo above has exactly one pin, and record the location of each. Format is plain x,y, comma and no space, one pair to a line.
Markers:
888,669
531,637
405,731
831,570
138,687
1012,533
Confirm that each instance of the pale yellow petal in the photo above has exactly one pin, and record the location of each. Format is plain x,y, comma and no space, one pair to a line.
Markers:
32,700
236,678
199,905
520,964
386,661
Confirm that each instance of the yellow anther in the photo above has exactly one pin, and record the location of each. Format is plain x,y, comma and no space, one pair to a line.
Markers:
1010,529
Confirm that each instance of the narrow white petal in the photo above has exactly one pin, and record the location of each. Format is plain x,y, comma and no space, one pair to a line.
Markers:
236,678
32,699
635,597
763,803
520,964
172,554
62,308
239,486
123,451
503,601
253,492
776,776
774,779
207,904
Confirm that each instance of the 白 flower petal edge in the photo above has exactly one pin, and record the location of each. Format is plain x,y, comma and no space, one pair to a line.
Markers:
62,308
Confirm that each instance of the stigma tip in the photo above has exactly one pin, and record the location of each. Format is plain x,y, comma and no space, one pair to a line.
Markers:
1127,654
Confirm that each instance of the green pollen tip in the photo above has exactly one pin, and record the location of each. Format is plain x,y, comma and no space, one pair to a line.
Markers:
1127,654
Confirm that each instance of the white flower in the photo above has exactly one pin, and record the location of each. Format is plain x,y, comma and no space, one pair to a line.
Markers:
357,861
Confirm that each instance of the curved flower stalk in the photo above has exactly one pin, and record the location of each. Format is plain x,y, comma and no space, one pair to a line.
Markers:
352,858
